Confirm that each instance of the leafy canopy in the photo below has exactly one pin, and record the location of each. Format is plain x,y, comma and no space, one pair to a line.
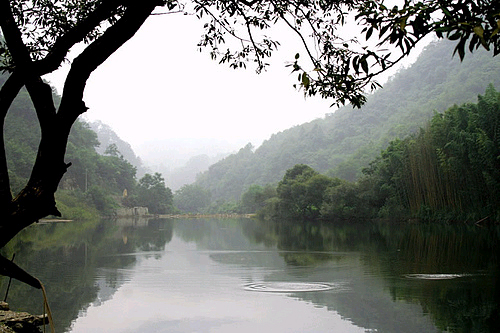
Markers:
239,32
153,194
335,66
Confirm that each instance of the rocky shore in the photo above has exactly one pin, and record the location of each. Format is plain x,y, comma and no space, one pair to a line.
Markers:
19,322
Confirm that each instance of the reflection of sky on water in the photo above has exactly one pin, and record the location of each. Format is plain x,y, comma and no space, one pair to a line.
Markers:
186,291
190,275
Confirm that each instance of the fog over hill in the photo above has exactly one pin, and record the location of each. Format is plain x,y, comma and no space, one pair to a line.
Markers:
341,143
345,141
107,136
178,160
175,153
181,160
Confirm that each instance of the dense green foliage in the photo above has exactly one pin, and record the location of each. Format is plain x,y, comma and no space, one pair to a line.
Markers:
301,192
344,142
151,192
192,199
94,182
451,169
108,138
255,198
448,171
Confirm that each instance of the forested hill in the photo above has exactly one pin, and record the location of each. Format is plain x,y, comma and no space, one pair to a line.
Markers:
107,137
91,173
344,142
95,183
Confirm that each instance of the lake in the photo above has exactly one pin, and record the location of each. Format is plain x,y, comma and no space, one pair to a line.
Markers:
244,275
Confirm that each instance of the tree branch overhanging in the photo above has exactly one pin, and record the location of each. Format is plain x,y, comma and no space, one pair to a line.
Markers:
13,37
95,54
76,34
36,200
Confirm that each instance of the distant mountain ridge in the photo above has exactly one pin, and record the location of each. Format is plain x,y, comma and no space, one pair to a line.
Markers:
180,160
186,174
345,141
107,136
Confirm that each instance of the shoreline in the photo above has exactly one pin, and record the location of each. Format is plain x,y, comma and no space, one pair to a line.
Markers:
184,216
14,321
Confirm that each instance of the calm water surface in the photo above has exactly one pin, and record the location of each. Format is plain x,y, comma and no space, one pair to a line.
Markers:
242,275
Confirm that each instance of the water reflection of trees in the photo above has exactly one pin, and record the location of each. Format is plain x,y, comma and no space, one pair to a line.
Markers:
66,257
466,304
213,233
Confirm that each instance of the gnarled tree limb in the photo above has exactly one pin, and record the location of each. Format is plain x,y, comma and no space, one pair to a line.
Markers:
36,200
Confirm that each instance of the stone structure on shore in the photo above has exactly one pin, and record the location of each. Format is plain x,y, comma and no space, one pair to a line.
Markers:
12,322
133,211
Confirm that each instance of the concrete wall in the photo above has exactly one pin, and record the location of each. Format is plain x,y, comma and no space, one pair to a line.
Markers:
134,211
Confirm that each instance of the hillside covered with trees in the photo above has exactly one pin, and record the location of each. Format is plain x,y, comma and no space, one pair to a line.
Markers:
447,171
345,141
107,137
95,183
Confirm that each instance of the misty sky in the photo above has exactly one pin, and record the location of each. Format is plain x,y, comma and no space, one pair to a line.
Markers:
159,86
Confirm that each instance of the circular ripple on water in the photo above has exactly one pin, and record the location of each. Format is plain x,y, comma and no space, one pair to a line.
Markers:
434,276
287,287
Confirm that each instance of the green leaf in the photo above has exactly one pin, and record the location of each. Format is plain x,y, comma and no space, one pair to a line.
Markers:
402,23
455,36
446,11
494,32
460,48
369,33
355,64
305,80
478,30
364,65
383,30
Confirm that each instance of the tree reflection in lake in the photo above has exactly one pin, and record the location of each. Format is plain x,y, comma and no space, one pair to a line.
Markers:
383,275
67,257
467,303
